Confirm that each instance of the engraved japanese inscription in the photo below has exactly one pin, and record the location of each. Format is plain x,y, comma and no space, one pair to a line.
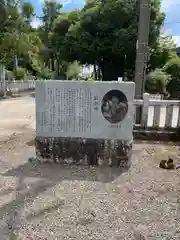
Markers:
85,109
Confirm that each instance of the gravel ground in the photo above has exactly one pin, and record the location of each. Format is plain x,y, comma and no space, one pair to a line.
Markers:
56,202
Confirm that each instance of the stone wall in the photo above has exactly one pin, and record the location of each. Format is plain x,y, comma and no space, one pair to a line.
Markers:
84,151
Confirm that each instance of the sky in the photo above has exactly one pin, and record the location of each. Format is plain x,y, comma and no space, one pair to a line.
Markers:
170,7
172,21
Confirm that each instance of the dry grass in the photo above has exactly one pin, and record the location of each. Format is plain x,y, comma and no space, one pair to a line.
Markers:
58,202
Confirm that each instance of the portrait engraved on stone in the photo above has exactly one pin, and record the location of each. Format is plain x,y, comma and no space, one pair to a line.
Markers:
85,110
114,106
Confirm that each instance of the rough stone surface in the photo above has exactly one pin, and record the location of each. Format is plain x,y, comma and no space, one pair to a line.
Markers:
84,151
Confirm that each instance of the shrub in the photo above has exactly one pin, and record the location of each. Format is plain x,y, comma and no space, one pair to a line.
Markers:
19,73
173,68
156,82
45,73
73,70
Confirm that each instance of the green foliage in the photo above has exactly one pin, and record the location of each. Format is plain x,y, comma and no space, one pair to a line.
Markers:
28,11
19,73
9,75
45,74
90,79
156,82
51,11
73,70
18,42
60,29
164,50
173,68
106,35
102,34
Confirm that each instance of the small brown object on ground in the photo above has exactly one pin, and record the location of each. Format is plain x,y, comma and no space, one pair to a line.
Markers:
163,164
167,164
170,164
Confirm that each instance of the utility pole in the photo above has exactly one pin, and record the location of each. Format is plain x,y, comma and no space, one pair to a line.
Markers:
142,53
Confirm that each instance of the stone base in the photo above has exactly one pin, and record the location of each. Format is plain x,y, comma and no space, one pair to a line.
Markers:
84,151
156,134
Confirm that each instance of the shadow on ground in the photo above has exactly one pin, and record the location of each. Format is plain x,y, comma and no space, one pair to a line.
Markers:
11,213
58,172
30,143
46,176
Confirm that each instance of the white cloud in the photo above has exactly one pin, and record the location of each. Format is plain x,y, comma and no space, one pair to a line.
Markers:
168,32
36,23
66,2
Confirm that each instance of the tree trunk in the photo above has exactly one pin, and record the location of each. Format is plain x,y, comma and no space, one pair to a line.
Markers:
16,62
95,71
99,73
58,67
52,63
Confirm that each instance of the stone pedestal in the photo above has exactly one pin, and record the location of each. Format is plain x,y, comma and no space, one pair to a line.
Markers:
84,151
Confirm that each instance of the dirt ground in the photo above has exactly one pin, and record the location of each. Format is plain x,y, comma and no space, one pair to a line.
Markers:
16,115
56,202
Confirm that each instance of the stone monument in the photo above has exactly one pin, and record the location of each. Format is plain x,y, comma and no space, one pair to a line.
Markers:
79,122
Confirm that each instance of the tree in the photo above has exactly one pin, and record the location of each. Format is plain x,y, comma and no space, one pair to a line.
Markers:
156,82
28,12
3,14
18,40
106,34
60,29
102,34
173,69
51,12
164,50
19,73
10,19
32,58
